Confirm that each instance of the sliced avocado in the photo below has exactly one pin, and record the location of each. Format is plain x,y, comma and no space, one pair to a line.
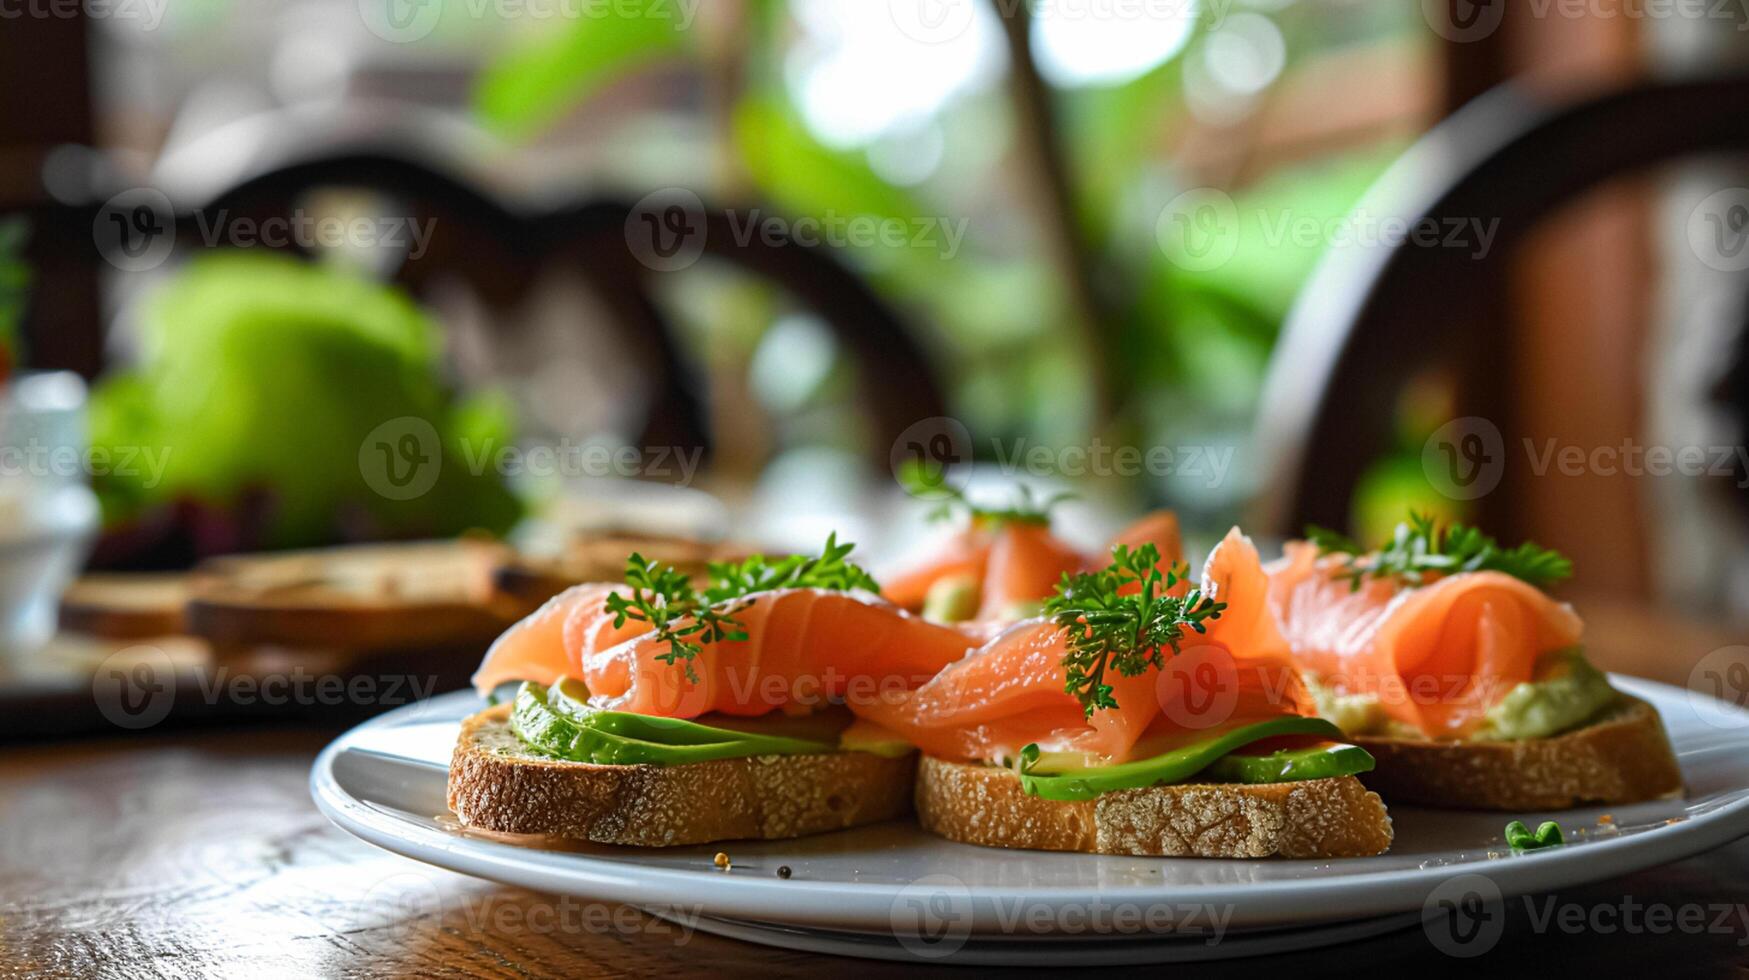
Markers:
1171,767
952,599
544,729
865,736
1288,765
560,725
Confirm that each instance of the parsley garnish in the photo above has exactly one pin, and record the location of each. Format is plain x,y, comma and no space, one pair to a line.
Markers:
730,580
686,619
1519,837
1421,547
1123,633
928,480
665,598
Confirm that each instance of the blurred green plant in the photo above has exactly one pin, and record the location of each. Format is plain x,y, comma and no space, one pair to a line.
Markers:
14,288
1187,347
535,83
260,373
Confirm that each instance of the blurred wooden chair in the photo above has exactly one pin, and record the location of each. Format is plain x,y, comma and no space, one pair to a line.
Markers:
431,164
1370,318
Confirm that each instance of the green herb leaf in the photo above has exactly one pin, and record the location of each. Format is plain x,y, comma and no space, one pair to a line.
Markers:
665,598
1126,634
731,580
686,619
1420,548
927,480
1519,837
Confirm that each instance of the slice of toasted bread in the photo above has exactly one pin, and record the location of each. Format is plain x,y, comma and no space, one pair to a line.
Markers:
126,605
497,784
402,596
1623,756
1311,818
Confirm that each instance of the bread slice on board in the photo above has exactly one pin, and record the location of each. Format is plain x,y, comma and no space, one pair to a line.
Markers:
1311,818
496,783
1623,756
126,605
403,596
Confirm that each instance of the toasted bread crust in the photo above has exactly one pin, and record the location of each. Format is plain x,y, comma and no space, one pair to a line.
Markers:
1623,757
495,785
1312,818
381,597
125,605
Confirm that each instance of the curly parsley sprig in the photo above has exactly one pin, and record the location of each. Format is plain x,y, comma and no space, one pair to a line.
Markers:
927,480
831,570
665,598
1420,548
1110,631
686,619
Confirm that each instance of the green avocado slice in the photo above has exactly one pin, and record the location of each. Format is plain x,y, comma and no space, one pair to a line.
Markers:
1288,765
1181,764
556,723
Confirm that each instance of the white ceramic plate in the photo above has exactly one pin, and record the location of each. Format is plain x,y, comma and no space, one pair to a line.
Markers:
892,890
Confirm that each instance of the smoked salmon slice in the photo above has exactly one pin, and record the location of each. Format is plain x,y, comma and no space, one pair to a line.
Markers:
804,647
536,647
1026,562
1010,692
1158,528
964,556
1437,656
1016,564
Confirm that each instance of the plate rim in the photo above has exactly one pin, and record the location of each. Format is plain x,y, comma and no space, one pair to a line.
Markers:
857,904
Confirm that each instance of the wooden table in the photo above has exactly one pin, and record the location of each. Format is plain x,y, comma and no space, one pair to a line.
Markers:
187,854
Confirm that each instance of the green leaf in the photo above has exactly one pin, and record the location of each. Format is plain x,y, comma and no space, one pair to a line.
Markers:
1421,547
1111,628
806,178
14,287
686,619
1520,838
533,85
927,480
831,570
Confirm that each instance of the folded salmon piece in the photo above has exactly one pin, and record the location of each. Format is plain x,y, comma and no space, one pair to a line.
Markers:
1025,564
1016,564
1011,692
1437,656
963,557
538,647
804,647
